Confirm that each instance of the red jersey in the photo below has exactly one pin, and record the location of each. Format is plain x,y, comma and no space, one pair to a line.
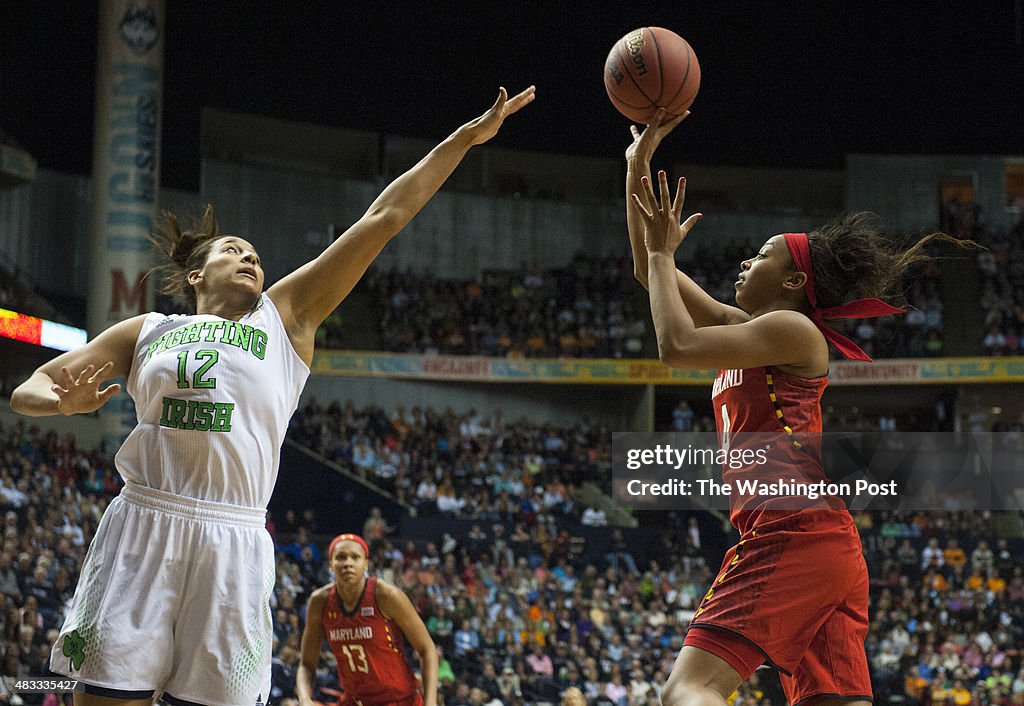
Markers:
370,650
759,407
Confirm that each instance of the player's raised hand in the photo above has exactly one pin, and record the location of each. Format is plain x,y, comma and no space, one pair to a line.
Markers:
486,126
646,142
82,395
662,230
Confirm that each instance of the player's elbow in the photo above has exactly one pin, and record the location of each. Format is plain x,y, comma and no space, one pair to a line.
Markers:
671,355
14,403
677,355
20,403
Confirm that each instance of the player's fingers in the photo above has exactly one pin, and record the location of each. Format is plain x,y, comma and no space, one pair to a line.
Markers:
58,390
502,97
641,209
103,372
648,191
521,99
691,222
108,392
666,195
657,118
634,131
677,202
69,381
676,120
84,375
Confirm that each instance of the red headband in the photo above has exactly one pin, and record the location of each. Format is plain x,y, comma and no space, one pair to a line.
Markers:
348,538
858,309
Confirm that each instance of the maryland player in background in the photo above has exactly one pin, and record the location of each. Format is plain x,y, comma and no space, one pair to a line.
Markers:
366,622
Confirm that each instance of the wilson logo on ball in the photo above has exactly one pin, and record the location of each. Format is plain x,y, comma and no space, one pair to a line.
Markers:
635,42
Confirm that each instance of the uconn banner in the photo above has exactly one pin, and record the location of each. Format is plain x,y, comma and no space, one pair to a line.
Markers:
125,169
126,157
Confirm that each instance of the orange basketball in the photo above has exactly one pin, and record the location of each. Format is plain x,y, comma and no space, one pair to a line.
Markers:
651,68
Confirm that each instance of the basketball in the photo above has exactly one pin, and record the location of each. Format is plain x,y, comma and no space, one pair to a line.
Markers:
651,68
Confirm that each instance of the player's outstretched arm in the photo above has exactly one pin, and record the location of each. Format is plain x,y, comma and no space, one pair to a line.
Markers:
704,308
306,297
312,640
70,383
396,606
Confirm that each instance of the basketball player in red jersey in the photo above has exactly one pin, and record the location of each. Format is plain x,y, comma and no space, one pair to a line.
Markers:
366,622
794,592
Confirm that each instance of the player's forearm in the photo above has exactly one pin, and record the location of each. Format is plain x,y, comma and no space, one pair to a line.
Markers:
673,324
34,398
304,681
636,169
405,196
703,309
429,669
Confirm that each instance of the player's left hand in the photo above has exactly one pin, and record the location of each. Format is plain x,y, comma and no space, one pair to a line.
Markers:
82,394
662,230
486,126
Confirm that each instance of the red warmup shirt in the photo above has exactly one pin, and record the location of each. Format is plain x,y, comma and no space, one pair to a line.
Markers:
370,651
755,407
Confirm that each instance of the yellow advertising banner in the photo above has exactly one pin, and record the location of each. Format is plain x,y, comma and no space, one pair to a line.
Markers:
590,371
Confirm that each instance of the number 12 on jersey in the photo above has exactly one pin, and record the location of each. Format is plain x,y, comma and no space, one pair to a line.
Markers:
206,358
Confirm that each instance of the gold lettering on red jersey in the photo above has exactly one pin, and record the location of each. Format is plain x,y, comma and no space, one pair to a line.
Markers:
351,634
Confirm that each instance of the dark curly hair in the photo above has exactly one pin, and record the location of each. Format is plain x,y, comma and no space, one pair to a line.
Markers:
853,258
182,252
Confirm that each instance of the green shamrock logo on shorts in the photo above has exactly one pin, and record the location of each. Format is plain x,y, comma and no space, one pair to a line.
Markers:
74,648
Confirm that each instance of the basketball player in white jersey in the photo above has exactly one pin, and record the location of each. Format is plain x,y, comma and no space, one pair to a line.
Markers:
174,594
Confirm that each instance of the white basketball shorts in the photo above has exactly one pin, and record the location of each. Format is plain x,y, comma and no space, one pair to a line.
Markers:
174,597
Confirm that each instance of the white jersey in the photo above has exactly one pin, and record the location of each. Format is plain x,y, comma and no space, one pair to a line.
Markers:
213,398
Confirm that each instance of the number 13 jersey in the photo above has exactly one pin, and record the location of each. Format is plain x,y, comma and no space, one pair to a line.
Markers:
370,650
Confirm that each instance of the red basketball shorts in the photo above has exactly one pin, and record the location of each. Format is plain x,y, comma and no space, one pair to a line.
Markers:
793,593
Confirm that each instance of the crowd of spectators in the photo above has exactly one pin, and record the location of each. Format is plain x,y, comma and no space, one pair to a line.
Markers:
923,608
947,608
526,603
522,619
470,465
522,627
52,495
1001,268
591,308
488,468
